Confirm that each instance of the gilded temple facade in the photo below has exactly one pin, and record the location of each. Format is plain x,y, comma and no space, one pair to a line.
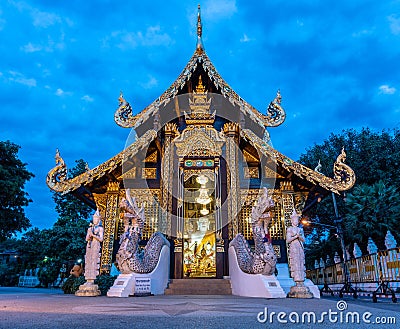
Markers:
198,160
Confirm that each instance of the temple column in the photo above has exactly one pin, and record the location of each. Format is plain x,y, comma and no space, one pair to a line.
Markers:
166,179
231,131
109,216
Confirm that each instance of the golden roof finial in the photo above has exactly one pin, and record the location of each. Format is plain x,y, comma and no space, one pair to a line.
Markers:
199,46
199,26
121,98
278,98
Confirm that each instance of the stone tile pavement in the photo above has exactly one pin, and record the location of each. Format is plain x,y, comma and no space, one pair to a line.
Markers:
50,308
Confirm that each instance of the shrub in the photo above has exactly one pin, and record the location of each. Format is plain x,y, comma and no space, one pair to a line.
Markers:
105,282
71,285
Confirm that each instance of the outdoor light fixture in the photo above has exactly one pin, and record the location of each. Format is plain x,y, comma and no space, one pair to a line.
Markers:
203,197
202,180
204,211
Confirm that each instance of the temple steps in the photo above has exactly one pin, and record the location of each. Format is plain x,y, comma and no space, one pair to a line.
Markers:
199,287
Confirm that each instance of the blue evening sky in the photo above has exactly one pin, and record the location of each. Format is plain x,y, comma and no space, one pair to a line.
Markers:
63,64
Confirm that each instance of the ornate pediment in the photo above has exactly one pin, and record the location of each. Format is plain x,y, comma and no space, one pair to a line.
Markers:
199,141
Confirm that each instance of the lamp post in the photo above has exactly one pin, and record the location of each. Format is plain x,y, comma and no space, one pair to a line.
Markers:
347,287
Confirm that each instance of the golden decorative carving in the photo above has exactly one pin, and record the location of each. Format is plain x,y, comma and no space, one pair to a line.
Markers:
343,180
130,174
152,158
300,201
275,113
284,203
199,141
58,174
109,224
113,187
270,173
124,114
171,129
200,107
232,182
167,167
178,245
149,199
209,173
101,203
286,186
343,174
231,128
249,157
251,172
67,185
149,173
277,250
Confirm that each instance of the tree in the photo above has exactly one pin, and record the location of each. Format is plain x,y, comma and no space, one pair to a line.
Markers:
374,157
64,242
13,198
372,210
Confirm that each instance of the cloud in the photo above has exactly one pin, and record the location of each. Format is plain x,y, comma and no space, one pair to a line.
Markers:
245,38
385,89
219,9
394,24
44,19
31,48
2,23
150,83
87,98
153,36
59,92
20,78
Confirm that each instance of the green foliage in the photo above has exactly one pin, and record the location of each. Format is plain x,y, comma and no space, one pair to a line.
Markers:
64,242
105,282
71,284
372,210
373,156
9,274
13,198
371,207
49,269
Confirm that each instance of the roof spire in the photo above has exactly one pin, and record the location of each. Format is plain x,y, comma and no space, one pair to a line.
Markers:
199,46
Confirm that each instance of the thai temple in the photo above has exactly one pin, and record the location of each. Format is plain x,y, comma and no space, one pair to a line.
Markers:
198,159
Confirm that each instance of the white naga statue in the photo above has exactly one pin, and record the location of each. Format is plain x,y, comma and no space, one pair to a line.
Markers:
263,259
94,238
295,239
130,257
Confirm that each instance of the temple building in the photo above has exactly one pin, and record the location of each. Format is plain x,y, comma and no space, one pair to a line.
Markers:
196,160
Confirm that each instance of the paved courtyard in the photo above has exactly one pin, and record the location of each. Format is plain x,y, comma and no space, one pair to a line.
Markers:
33,308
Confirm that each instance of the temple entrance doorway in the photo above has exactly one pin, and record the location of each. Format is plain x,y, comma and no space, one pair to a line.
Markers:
199,231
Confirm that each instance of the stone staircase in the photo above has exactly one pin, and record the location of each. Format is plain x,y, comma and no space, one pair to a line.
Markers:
199,287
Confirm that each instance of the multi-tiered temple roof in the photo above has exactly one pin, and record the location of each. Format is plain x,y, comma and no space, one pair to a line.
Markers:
150,121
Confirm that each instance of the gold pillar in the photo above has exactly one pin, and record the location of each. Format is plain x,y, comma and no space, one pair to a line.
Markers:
231,131
110,218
